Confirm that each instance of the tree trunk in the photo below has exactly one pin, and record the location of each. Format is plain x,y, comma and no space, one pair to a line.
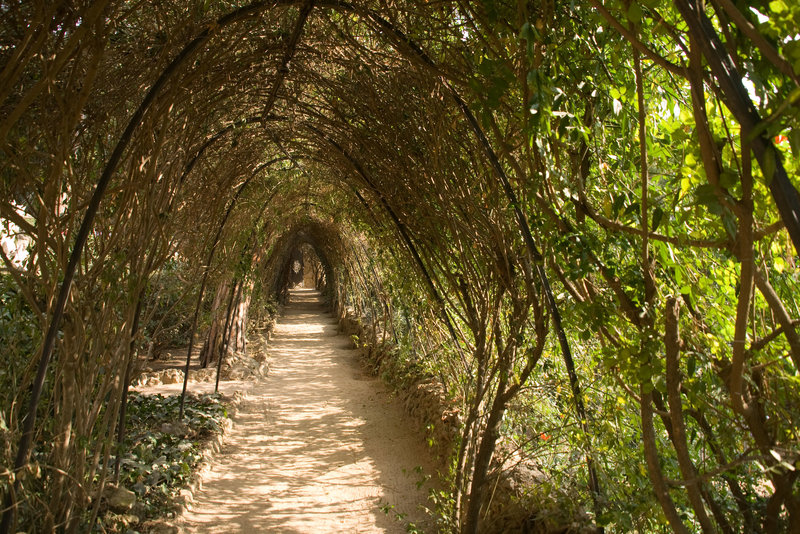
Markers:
213,343
653,466
672,348
484,456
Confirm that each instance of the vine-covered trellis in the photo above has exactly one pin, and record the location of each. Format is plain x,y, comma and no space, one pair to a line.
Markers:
581,218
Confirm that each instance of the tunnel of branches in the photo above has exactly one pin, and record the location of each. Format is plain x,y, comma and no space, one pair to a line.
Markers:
579,219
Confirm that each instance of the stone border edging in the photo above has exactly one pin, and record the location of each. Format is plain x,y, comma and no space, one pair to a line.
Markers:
183,501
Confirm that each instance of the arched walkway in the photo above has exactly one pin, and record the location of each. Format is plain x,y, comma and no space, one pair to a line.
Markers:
578,221
317,447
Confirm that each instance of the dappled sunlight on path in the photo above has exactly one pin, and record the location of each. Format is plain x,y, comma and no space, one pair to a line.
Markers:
316,447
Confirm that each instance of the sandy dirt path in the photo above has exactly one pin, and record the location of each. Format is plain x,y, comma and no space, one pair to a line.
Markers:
316,447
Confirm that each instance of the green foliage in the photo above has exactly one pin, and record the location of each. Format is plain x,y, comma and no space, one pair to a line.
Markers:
626,156
263,306
443,508
18,336
169,304
161,452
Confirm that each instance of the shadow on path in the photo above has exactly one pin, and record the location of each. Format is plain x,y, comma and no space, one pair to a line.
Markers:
316,447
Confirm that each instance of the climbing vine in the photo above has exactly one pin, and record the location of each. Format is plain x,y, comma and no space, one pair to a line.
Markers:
580,219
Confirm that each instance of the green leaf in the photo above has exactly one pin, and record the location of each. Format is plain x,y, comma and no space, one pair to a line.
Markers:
525,32
728,179
686,185
658,213
632,209
777,6
706,195
729,221
619,200
660,383
635,13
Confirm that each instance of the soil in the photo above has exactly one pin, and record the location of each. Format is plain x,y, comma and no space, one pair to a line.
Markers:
318,446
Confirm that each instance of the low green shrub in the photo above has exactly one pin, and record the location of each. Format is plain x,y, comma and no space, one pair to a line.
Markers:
160,452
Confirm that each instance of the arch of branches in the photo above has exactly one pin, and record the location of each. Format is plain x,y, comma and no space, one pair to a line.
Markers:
324,241
582,218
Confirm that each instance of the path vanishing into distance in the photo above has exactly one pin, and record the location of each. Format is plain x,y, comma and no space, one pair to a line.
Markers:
318,446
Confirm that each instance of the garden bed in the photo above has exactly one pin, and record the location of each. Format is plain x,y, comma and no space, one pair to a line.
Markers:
161,455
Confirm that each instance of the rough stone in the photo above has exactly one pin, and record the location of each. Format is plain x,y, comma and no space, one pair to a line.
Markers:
171,376
176,429
208,374
119,499
236,374
237,366
159,526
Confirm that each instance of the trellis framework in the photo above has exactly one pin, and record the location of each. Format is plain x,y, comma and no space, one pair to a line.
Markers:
557,179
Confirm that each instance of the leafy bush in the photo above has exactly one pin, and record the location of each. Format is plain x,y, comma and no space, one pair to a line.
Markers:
19,335
170,302
160,452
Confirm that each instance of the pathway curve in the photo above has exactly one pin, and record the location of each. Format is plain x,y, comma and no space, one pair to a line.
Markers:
317,447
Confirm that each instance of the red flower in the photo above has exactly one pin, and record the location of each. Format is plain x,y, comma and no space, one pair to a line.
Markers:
543,436
780,139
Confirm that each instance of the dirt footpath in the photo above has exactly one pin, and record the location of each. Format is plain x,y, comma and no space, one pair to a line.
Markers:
317,447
